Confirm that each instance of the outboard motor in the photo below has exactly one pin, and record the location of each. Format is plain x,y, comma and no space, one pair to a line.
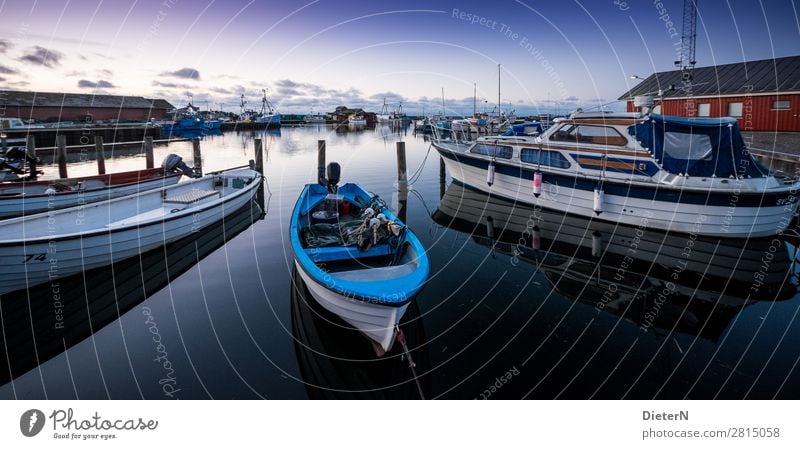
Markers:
333,176
175,162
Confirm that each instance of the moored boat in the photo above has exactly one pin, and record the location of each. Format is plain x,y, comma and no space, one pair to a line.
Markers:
356,257
356,120
45,246
677,174
30,197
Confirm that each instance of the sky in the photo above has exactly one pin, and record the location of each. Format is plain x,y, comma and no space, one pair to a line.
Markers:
554,56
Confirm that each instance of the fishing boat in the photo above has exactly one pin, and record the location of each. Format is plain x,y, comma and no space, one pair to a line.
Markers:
268,115
356,257
42,247
628,271
31,197
688,175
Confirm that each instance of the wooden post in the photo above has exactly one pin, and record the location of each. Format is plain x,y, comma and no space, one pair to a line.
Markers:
100,155
321,162
148,151
3,141
30,152
198,156
401,163
442,178
259,156
402,182
61,144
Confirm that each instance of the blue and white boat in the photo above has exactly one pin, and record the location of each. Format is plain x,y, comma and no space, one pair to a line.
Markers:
356,257
687,175
268,115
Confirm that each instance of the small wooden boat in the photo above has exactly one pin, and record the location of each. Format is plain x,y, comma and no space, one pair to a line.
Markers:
31,197
45,247
357,258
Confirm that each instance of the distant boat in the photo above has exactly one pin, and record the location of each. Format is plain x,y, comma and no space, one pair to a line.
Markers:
268,115
361,263
97,234
30,197
184,120
315,119
689,175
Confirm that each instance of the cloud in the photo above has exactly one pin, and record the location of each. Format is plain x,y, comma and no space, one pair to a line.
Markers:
42,56
571,98
75,73
2,80
105,72
171,85
8,70
4,45
221,90
185,73
101,84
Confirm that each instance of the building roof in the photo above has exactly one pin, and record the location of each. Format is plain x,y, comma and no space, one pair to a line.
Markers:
66,100
779,75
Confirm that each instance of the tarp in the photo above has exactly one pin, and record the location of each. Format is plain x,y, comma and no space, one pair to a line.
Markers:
697,146
524,129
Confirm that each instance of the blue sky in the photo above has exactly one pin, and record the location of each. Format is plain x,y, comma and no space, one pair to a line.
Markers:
555,56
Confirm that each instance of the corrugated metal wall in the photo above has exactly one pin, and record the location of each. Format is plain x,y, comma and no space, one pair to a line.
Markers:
757,112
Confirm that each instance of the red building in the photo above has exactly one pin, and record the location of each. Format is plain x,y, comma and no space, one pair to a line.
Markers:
762,95
59,107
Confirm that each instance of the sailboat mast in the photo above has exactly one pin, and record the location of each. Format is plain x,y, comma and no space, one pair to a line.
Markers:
498,90
444,114
474,99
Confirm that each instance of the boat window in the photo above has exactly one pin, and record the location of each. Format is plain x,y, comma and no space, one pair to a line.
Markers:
601,135
489,149
543,157
687,146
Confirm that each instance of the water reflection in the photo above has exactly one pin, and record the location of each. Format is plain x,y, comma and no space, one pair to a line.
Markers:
44,321
661,282
338,362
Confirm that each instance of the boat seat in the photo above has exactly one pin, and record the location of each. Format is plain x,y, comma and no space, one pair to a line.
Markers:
331,253
376,274
191,196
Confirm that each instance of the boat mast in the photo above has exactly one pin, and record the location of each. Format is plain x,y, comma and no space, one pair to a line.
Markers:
474,99
443,110
498,91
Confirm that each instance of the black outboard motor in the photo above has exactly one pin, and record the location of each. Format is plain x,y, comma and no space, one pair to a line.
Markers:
334,174
175,162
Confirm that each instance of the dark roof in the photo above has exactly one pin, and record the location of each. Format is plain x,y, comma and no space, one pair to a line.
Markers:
768,75
58,100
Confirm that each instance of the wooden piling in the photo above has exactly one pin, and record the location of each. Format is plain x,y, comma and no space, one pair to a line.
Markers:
442,178
198,156
321,161
30,152
100,155
259,156
401,163
148,151
61,152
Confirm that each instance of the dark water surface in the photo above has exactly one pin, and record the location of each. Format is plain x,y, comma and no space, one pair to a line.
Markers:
520,303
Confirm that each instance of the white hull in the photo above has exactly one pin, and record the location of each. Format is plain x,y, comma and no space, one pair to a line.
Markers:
38,250
720,221
375,321
22,205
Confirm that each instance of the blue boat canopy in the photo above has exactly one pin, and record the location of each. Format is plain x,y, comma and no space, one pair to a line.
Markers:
524,129
698,146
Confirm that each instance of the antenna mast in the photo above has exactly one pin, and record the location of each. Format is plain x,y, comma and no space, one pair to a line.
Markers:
688,40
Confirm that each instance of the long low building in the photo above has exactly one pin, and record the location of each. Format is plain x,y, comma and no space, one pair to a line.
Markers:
762,95
58,107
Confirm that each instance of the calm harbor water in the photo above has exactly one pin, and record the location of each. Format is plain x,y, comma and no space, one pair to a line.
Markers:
520,303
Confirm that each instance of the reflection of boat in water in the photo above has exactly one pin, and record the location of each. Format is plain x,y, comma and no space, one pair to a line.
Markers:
694,284
338,362
87,302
